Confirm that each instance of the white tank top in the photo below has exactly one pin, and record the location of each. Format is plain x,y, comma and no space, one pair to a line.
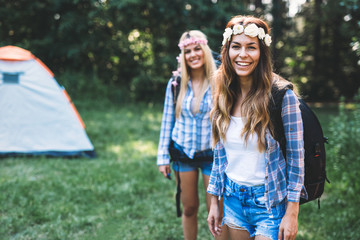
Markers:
246,164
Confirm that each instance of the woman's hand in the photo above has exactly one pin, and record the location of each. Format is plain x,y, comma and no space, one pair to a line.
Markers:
289,223
165,170
214,217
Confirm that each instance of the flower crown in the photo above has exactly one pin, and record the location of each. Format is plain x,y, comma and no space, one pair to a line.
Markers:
192,40
251,30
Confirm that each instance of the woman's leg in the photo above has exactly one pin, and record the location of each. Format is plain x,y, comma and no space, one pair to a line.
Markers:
259,237
190,203
224,229
236,234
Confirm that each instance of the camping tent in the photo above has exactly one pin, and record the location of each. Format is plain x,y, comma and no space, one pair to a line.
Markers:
36,114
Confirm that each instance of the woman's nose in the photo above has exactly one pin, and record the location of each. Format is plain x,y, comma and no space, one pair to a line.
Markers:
242,52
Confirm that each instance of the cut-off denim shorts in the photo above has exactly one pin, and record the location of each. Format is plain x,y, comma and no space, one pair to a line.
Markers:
191,166
244,209
187,167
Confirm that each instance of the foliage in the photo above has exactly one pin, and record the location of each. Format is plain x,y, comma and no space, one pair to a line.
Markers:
322,60
345,131
130,45
340,201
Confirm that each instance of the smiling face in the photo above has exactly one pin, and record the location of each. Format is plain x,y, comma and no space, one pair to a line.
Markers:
194,56
244,53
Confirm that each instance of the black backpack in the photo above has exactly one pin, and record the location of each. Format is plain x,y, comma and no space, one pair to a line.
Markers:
314,142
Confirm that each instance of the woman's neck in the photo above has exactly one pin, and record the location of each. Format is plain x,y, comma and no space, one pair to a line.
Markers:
245,84
197,79
244,89
197,75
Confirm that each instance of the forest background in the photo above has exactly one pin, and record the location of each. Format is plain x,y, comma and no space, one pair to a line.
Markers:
114,58
126,50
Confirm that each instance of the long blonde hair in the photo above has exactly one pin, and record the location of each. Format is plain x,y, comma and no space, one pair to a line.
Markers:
209,69
255,105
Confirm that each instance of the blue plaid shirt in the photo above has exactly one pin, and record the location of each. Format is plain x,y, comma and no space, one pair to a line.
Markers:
191,132
283,178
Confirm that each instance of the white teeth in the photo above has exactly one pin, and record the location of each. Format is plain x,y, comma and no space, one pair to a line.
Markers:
243,64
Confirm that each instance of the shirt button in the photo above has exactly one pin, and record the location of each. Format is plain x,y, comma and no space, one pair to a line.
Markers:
242,190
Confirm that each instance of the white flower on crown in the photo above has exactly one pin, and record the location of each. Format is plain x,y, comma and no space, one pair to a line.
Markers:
227,34
238,29
251,30
261,34
267,40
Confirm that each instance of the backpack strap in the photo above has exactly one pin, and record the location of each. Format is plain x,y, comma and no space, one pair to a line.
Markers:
275,107
175,88
178,192
217,58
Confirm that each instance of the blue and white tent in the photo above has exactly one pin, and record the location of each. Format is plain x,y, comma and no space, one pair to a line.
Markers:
37,116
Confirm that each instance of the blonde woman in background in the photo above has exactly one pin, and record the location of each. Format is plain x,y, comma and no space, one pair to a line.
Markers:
185,136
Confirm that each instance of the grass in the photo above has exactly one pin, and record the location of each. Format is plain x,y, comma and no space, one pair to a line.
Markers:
120,194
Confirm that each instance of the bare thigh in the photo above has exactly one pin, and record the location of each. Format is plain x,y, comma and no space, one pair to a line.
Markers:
259,237
244,234
189,190
236,234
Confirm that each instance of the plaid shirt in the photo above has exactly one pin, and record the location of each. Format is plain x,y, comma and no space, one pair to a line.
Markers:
283,178
193,133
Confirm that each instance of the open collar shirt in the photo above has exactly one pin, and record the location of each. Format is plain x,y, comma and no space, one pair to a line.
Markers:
191,132
283,178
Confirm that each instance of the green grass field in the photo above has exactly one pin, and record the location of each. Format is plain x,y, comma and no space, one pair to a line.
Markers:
121,194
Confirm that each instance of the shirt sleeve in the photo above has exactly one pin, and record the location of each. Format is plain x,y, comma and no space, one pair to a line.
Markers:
167,125
293,127
213,185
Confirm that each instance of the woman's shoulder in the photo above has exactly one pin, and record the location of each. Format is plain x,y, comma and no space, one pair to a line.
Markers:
173,82
279,83
283,93
281,86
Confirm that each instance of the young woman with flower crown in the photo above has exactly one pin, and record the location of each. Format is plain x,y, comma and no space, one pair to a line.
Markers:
261,189
185,129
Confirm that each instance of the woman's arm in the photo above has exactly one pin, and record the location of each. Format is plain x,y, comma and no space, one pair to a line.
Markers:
293,128
289,223
165,170
213,187
167,125
214,218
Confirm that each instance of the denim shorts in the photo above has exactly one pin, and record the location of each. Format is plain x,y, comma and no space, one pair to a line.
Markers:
187,167
244,209
190,166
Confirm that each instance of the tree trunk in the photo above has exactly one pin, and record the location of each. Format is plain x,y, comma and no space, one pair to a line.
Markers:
317,38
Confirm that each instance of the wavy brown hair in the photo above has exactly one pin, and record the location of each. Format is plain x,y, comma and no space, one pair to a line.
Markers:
255,105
